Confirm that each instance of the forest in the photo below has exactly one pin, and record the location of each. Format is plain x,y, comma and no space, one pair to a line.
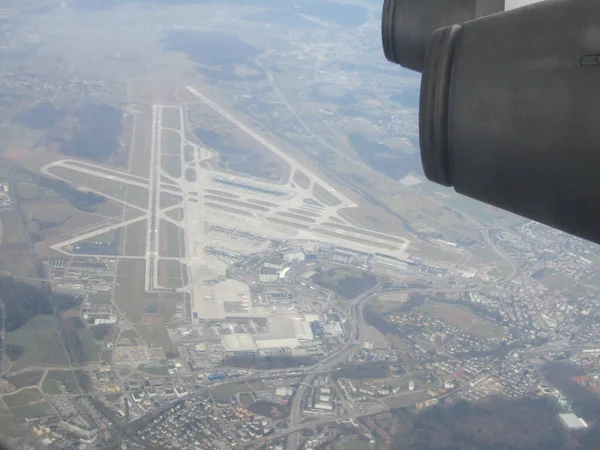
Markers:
82,200
23,301
494,424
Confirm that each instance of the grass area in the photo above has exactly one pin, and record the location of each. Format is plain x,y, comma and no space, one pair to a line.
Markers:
171,240
101,297
104,238
246,399
10,428
167,200
154,370
12,227
102,185
154,335
23,397
176,214
171,119
557,281
301,179
473,208
190,174
51,387
324,196
230,389
484,255
130,287
408,399
428,251
189,153
356,445
28,191
133,238
129,334
137,196
25,379
89,344
18,260
465,319
41,341
171,142
55,380
55,211
170,273
171,164
142,142
594,280
33,411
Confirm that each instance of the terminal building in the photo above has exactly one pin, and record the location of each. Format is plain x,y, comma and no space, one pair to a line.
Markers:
238,345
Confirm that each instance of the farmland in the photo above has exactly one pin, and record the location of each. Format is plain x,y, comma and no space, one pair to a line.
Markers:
41,343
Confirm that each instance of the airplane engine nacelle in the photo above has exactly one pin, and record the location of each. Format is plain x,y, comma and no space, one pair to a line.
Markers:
509,106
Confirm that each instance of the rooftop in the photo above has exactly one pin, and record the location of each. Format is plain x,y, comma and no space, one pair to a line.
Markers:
238,343
572,421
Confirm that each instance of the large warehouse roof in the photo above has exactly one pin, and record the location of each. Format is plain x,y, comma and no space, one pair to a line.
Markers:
302,329
266,344
572,421
238,343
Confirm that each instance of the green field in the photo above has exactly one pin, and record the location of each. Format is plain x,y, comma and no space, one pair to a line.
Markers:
133,238
101,297
41,341
142,142
473,208
170,273
154,335
324,196
104,238
33,411
101,185
129,334
57,379
463,318
154,370
171,119
23,397
557,281
428,251
171,240
229,390
167,199
130,287
10,428
89,344
18,259
170,143
484,255
301,179
12,228
137,195
171,164
355,445
28,191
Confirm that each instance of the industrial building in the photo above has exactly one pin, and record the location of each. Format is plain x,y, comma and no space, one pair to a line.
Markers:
572,422
268,275
238,344
302,329
274,263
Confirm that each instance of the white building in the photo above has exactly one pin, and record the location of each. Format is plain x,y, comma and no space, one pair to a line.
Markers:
572,422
